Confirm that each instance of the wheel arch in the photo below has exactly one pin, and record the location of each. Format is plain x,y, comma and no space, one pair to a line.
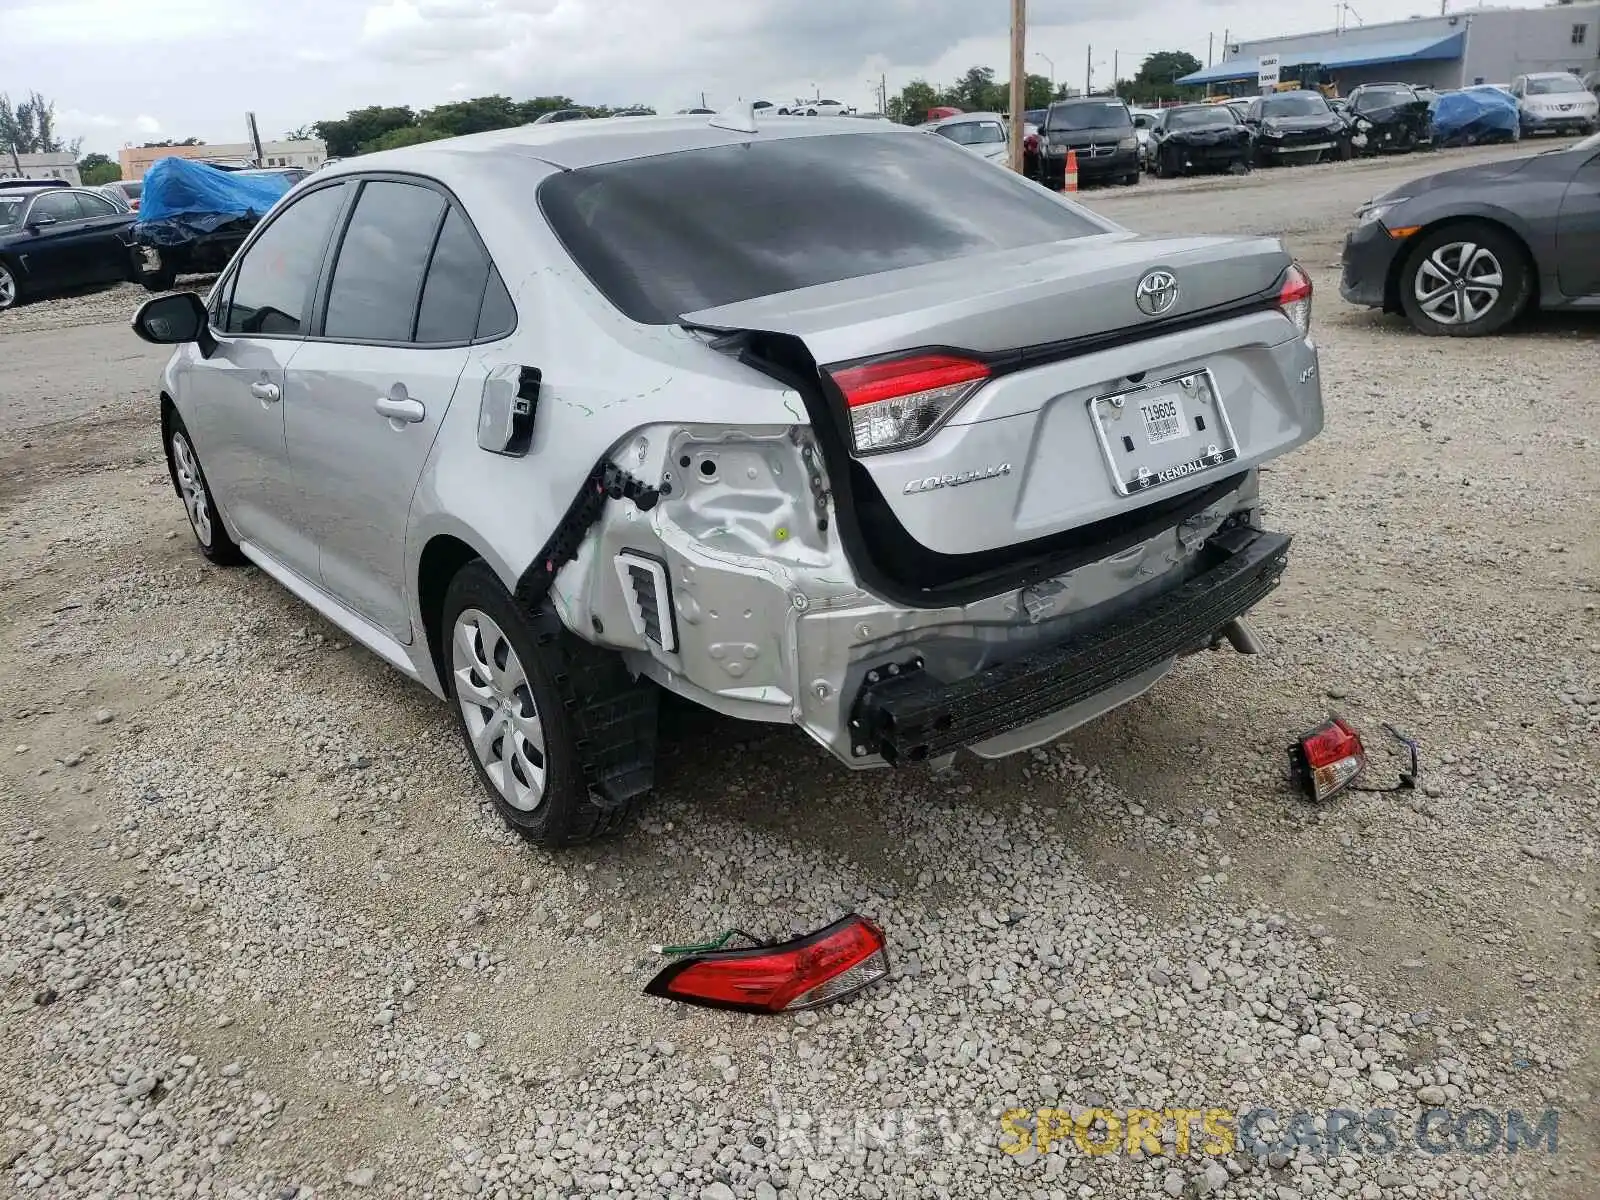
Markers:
443,555
1397,267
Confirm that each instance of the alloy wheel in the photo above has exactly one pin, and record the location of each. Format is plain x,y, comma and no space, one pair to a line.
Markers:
497,705
8,288
192,485
1459,283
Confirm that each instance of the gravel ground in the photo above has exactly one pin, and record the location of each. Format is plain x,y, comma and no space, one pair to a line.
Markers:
259,937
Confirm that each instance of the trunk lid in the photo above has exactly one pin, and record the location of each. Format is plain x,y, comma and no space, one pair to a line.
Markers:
1008,300
1227,380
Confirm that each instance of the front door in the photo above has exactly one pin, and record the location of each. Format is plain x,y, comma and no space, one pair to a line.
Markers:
235,408
56,253
1578,234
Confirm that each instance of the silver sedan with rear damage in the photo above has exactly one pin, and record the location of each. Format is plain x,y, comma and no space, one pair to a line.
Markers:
813,421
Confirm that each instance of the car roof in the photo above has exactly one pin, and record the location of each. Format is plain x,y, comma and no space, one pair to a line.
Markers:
972,116
571,145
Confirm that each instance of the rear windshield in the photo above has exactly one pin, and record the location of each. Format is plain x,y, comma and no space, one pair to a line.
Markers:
676,233
973,133
1295,104
1553,86
1089,115
1209,117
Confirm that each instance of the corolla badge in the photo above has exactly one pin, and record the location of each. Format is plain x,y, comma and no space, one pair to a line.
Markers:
1157,293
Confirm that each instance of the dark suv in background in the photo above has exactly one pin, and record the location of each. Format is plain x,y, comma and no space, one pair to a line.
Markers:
1100,129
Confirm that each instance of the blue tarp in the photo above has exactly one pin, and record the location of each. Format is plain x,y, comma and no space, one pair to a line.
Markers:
1473,116
183,200
1332,55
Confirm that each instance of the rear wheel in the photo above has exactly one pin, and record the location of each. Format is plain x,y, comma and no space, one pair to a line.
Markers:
560,735
10,293
1465,280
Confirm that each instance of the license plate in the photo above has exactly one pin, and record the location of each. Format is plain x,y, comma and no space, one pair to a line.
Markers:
1163,432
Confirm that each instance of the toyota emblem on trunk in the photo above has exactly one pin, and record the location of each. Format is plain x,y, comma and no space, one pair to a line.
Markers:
1157,293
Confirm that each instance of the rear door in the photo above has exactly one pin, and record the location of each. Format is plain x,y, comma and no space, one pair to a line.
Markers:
1578,234
366,397
233,402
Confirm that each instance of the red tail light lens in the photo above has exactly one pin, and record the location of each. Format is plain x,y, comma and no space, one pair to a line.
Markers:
896,402
822,967
1294,298
1328,759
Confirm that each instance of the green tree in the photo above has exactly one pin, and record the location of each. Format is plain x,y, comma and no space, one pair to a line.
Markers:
30,127
1165,67
188,141
361,126
303,134
911,106
405,135
473,116
96,169
531,110
976,91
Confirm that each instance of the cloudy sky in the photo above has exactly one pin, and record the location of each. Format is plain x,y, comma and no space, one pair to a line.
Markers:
124,71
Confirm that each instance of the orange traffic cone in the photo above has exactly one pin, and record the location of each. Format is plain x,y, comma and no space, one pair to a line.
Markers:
1069,182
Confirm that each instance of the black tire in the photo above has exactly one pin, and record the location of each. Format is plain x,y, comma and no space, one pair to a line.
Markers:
1130,180
1159,167
10,296
161,280
205,522
1508,304
598,722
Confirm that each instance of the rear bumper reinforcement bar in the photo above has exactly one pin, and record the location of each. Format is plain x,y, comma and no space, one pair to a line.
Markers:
906,715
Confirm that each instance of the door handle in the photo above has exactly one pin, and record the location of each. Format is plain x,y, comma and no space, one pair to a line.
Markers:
268,393
398,406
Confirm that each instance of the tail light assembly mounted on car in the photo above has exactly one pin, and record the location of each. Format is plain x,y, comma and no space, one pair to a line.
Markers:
1294,298
894,403
820,968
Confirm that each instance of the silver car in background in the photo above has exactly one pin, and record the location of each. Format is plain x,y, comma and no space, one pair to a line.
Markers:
557,417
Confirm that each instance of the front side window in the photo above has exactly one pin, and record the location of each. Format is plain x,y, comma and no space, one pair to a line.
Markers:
378,277
58,206
676,233
272,287
11,211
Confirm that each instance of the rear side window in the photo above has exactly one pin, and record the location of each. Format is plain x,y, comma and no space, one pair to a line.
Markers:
272,289
94,206
454,290
378,276
676,233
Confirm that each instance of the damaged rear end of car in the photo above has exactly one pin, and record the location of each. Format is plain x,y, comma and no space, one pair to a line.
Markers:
1015,476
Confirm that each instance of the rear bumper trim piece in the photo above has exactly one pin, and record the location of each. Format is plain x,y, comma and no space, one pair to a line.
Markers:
905,715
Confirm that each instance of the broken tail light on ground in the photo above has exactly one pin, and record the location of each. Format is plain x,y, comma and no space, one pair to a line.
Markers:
1328,759
820,968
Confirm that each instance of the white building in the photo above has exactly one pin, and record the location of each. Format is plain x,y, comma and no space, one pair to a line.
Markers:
1462,47
40,166
309,154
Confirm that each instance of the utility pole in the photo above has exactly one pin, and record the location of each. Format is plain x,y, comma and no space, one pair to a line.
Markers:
1019,79
1116,63
1088,72
1211,45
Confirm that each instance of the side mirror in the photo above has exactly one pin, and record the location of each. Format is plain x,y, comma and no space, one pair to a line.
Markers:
174,321
39,222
